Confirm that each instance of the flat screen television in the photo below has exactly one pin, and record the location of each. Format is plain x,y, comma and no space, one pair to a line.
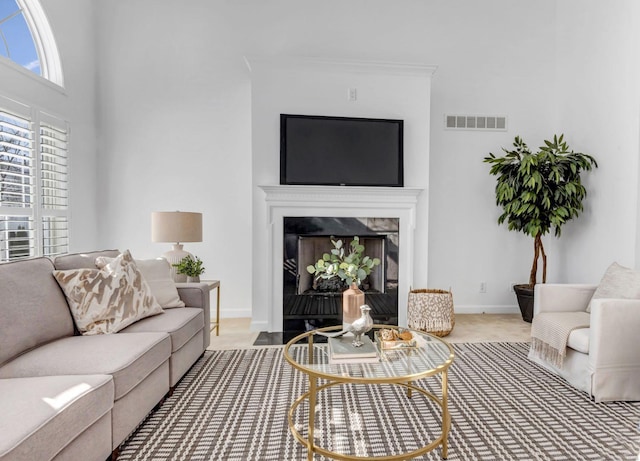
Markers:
341,151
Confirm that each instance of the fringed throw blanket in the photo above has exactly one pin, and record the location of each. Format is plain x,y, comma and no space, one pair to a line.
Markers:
550,332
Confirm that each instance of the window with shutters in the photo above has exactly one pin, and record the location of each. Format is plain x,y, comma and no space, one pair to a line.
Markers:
34,198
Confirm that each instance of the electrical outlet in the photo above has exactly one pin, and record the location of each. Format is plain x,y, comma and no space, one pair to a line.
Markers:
352,94
511,285
483,287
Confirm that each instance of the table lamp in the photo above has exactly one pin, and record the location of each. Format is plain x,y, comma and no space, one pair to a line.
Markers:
176,227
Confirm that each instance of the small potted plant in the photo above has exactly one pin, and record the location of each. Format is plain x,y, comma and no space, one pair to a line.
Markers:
538,191
191,267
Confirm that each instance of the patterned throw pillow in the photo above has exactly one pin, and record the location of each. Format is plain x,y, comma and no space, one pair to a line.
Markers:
618,282
107,300
157,274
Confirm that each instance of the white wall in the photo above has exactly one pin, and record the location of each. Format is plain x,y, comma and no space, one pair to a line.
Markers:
175,122
599,106
74,35
315,87
498,60
175,134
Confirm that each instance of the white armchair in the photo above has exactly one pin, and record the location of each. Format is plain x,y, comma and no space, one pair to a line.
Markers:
604,359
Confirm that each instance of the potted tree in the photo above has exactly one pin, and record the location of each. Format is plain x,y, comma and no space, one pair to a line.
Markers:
538,191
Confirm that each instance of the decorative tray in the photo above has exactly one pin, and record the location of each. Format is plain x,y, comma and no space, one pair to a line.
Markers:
392,339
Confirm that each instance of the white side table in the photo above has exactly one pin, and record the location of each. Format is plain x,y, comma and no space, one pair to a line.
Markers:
214,323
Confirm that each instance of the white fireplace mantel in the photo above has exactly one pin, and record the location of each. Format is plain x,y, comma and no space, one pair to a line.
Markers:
337,201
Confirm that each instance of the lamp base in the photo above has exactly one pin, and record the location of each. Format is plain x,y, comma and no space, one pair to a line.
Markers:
174,256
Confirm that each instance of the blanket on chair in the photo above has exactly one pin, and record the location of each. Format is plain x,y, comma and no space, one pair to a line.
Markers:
550,332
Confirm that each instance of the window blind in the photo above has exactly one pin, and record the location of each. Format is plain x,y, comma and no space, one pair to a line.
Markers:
16,168
34,198
54,192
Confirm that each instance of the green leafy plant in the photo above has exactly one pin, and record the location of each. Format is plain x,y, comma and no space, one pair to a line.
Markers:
539,190
189,266
350,266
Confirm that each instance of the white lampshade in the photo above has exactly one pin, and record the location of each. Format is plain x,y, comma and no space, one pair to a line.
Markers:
176,226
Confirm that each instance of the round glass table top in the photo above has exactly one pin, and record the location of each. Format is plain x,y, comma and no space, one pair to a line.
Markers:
425,355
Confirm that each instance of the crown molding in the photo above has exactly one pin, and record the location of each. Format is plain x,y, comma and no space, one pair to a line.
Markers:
255,63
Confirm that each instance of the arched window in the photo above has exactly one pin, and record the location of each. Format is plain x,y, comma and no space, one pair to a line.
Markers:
26,38
34,193
34,197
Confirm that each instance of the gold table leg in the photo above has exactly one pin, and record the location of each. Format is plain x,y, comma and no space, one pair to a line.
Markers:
215,325
313,382
312,415
446,422
218,312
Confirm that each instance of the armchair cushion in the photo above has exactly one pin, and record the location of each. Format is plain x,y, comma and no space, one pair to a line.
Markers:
618,282
550,333
579,340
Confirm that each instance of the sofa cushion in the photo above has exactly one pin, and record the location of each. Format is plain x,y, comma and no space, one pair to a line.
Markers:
109,299
128,357
33,309
157,274
40,416
618,282
579,340
181,324
82,260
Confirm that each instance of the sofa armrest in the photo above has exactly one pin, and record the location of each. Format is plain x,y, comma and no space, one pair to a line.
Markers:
614,336
562,297
197,295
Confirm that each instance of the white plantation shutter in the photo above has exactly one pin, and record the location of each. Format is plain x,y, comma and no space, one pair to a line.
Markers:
54,193
34,199
15,161
17,188
16,237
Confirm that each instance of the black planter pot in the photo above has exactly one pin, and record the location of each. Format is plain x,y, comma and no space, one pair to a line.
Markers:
524,293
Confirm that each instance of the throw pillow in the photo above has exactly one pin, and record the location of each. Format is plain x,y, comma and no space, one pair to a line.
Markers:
157,274
107,300
618,282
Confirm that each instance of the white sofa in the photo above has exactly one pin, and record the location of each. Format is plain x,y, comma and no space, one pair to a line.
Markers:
604,359
70,397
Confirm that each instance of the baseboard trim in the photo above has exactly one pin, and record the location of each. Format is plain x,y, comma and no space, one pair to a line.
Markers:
233,313
259,325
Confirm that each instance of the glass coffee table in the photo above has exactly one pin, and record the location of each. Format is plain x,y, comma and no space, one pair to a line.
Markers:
403,366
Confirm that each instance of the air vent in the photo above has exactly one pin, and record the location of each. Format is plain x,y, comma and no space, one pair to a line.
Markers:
475,122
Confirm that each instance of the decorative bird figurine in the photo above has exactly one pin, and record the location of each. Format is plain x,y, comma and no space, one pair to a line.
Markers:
361,326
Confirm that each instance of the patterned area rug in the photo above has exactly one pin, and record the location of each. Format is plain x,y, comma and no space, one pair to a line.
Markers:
233,405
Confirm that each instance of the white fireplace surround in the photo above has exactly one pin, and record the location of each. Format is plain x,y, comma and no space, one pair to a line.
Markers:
338,201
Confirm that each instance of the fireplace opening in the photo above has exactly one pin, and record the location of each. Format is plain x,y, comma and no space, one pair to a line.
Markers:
312,248
310,302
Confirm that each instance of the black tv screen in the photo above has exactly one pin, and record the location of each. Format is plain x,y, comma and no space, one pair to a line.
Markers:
340,151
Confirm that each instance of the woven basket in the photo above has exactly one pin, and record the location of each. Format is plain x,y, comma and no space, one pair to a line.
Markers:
431,311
